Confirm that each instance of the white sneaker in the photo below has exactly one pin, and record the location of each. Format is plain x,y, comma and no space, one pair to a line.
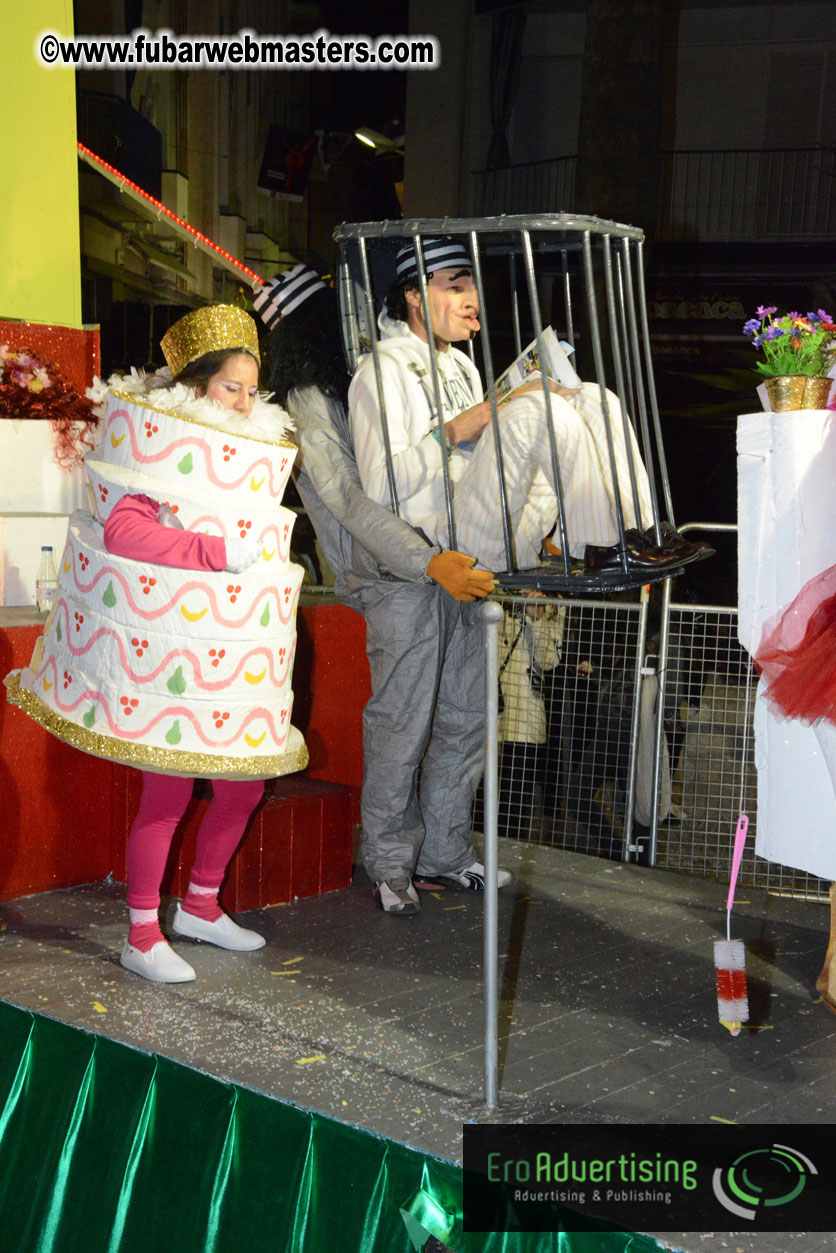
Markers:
160,964
225,933
397,895
472,878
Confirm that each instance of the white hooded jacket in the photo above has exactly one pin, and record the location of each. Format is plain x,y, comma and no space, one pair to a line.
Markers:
411,418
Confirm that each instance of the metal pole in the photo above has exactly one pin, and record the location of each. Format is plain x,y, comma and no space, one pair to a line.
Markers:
515,303
598,357
491,390
621,390
567,299
630,381
349,330
491,614
378,377
642,406
442,432
547,397
630,805
661,684
651,387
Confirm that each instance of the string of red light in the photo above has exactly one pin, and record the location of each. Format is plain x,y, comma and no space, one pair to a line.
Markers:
198,236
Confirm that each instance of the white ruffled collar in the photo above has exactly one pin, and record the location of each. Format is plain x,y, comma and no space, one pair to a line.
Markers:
267,421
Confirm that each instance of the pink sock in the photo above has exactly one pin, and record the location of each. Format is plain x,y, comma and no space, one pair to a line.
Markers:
144,935
203,903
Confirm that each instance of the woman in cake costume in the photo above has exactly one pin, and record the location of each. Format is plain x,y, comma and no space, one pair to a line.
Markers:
797,662
170,646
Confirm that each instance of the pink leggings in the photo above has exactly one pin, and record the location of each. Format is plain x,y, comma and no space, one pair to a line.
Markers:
164,801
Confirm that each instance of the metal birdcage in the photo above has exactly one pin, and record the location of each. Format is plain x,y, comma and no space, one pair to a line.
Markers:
584,277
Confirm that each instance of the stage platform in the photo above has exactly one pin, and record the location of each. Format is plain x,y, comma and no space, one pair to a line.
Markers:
607,1006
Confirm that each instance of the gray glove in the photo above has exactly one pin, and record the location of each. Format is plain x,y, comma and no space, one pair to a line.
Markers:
168,518
242,553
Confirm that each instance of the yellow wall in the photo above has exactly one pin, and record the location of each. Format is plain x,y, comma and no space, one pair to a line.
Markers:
40,268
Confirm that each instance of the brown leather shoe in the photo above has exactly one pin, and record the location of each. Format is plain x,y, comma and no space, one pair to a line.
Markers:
671,539
600,559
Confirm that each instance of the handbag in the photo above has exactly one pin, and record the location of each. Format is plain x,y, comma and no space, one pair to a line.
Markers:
500,697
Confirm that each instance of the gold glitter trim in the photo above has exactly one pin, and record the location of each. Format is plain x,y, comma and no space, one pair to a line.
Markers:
210,329
142,756
131,399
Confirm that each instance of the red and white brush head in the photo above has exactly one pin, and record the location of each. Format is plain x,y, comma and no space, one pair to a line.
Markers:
732,997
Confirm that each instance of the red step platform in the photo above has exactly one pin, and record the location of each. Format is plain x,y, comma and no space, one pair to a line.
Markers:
298,843
66,815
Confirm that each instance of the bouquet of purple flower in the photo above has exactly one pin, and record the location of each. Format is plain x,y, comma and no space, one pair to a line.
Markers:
793,344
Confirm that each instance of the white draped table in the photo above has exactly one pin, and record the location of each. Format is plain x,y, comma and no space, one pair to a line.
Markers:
786,468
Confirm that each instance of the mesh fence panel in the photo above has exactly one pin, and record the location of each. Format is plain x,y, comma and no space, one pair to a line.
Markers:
568,675
564,733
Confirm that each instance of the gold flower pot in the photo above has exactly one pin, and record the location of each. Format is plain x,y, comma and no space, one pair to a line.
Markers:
816,393
786,391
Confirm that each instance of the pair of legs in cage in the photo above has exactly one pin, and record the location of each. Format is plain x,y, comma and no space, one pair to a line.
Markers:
580,430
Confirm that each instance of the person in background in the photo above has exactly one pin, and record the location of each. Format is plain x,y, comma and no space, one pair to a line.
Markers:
423,727
530,645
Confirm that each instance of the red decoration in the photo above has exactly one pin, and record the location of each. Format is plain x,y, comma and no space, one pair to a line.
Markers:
199,238
74,351
34,387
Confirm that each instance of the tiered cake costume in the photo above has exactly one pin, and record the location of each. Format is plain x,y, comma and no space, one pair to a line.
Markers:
170,645
180,668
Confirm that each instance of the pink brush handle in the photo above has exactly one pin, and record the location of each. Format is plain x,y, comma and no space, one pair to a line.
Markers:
739,841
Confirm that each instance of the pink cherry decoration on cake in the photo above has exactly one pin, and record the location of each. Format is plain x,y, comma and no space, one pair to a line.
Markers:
229,451
84,562
68,678
150,430
79,618
128,706
220,718
233,590
217,655
243,527
139,646
103,492
147,583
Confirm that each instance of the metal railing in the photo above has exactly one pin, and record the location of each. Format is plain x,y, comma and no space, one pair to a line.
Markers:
765,195
567,777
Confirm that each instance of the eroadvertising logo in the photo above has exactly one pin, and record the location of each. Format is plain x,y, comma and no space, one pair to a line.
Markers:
660,1177
762,1177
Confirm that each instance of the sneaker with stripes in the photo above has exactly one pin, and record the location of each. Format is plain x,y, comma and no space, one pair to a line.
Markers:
472,878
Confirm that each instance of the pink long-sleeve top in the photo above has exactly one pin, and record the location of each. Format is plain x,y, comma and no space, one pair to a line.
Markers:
134,530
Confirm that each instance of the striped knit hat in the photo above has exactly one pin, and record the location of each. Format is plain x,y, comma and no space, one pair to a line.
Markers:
276,299
439,254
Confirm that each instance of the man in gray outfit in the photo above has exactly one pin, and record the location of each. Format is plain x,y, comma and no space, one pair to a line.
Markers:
423,728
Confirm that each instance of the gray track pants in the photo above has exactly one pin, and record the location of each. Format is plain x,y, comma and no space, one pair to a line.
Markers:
423,729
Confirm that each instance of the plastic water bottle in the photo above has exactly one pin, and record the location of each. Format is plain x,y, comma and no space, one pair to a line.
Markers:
46,584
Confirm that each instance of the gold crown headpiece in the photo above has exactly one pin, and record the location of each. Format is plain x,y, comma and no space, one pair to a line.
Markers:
210,329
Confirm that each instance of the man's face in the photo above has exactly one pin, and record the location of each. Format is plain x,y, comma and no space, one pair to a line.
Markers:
454,307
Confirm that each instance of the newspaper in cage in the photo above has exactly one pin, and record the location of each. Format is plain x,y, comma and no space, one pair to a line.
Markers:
527,363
